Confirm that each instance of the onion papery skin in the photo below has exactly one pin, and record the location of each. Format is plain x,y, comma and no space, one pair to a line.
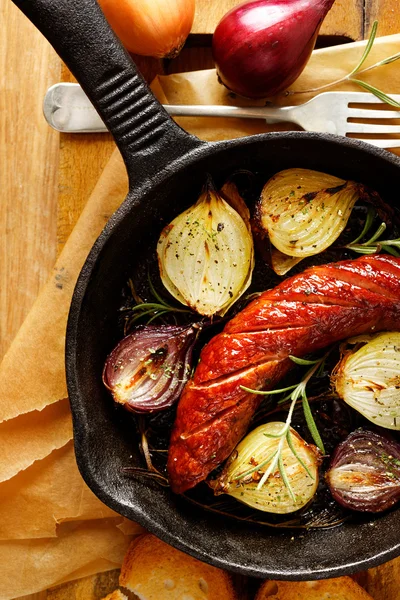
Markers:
148,369
302,212
156,28
368,378
261,47
364,473
206,255
273,497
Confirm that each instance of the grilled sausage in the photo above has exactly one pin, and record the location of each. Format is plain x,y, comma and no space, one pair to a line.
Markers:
303,314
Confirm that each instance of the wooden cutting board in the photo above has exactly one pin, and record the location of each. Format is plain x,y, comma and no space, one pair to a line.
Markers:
46,179
345,17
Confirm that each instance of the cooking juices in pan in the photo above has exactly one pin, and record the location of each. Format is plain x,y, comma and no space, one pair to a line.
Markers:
145,299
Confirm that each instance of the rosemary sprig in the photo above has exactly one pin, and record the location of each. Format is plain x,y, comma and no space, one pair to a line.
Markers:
350,77
148,311
367,49
367,225
374,244
296,391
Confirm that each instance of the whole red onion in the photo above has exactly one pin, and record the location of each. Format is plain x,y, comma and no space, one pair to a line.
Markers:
261,47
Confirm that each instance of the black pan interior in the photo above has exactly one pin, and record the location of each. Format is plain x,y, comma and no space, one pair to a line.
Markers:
104,440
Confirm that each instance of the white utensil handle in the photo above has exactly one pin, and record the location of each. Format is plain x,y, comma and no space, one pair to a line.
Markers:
67,109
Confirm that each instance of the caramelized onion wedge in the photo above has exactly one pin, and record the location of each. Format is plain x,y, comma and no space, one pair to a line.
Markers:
148,369
283,263
302,212
206,255
364,473
368,378
253,457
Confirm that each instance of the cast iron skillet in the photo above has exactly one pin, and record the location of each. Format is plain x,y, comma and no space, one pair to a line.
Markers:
166,169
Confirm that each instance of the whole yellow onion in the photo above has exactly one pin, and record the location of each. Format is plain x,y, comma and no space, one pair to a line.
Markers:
156,28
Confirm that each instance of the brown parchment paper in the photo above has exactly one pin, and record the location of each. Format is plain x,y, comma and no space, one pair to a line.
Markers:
49,491
32,436
80,549
53,528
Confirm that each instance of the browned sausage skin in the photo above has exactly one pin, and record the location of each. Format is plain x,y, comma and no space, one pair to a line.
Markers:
305,313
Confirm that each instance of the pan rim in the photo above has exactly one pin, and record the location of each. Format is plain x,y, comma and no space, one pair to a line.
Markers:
81,440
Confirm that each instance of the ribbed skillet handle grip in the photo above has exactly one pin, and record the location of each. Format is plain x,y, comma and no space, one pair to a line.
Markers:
147,137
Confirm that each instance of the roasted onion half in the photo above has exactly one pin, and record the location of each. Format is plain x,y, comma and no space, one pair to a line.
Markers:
364,473
206,255
292,482
367,377
302,212
148,369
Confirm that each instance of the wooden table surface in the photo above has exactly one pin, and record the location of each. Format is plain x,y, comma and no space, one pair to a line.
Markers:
46,179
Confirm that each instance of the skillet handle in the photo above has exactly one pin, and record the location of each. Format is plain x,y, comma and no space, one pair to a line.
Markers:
147,137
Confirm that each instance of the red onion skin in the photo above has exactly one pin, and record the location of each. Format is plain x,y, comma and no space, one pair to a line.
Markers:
261,47
372,460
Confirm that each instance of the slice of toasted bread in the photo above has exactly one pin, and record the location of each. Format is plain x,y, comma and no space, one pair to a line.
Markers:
342,588
116,595
155,571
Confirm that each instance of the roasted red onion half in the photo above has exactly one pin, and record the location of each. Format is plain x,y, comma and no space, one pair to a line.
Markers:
364,473
148,369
